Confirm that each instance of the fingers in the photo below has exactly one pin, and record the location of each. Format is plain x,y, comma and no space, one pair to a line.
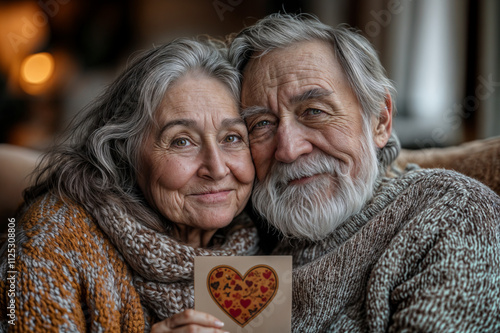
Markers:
191,316
189,321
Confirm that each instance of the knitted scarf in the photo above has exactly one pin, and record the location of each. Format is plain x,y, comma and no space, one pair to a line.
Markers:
163,267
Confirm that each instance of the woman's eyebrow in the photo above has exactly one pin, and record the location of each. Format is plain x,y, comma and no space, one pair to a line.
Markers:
176,122
229,122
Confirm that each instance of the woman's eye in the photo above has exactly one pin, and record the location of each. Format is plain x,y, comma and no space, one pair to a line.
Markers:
181,142
232,138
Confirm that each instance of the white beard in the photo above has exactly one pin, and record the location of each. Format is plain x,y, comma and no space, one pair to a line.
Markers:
315,209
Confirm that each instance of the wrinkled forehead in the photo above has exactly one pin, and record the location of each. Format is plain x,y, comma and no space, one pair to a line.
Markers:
291,69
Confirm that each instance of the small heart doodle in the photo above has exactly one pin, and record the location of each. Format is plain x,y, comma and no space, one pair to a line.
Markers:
242,298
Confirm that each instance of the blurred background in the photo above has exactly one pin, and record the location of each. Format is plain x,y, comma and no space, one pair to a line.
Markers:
57,55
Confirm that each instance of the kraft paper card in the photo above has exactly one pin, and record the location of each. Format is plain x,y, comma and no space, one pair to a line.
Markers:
249,294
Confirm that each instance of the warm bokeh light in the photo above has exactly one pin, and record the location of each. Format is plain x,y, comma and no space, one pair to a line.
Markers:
37,68
22,32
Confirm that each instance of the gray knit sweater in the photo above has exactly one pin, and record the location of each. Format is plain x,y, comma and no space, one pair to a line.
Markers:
422,256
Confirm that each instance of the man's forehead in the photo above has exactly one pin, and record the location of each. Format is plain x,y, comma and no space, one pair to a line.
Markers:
307,55
294,69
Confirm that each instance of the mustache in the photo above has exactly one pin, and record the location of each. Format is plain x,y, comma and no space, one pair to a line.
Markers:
282,174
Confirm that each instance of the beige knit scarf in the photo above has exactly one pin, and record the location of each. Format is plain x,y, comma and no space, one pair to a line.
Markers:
163,267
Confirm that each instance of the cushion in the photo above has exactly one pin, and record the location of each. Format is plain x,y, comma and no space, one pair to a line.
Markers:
478,159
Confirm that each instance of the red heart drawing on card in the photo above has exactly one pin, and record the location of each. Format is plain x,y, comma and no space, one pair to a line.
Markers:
242,298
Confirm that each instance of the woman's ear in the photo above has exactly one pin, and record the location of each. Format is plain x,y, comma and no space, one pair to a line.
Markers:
383,124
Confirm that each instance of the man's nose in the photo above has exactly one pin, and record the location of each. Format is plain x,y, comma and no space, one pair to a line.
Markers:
213,163
292,142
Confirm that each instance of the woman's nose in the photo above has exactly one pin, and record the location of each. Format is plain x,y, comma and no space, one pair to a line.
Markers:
291,142
213,165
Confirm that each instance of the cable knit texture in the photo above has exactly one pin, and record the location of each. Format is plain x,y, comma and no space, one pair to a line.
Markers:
422,256
76,275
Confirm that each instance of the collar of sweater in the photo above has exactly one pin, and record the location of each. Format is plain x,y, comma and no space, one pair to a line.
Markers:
387,188
163,268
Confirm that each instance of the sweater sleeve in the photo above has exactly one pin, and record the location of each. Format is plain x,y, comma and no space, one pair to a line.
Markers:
441,273
47,294
66,276
44,279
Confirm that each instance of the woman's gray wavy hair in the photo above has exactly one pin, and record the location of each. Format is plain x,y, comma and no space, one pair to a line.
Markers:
358,58
98,161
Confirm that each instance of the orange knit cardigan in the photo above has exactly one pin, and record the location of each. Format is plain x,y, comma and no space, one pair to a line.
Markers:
66,274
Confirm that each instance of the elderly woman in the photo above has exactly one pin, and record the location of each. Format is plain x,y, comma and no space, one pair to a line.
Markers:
158,171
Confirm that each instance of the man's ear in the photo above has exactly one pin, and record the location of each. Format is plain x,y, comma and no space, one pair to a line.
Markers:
383,124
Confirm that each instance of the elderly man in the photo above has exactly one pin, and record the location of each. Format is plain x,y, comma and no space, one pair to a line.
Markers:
375,248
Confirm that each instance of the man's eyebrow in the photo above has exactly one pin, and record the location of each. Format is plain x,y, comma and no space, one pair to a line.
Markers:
253,110
311,94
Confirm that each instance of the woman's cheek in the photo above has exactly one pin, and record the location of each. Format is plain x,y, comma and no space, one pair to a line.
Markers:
175,176
245,170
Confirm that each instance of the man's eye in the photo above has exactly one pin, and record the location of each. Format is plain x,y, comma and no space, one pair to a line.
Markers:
261,127
313,112
263,123
181,142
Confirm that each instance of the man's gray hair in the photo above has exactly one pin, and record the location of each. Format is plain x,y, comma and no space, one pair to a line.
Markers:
98,162
355,54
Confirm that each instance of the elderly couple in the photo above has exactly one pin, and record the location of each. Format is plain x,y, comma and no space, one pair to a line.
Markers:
160,168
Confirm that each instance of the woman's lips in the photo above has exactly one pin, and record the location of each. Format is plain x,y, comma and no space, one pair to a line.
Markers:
212,197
